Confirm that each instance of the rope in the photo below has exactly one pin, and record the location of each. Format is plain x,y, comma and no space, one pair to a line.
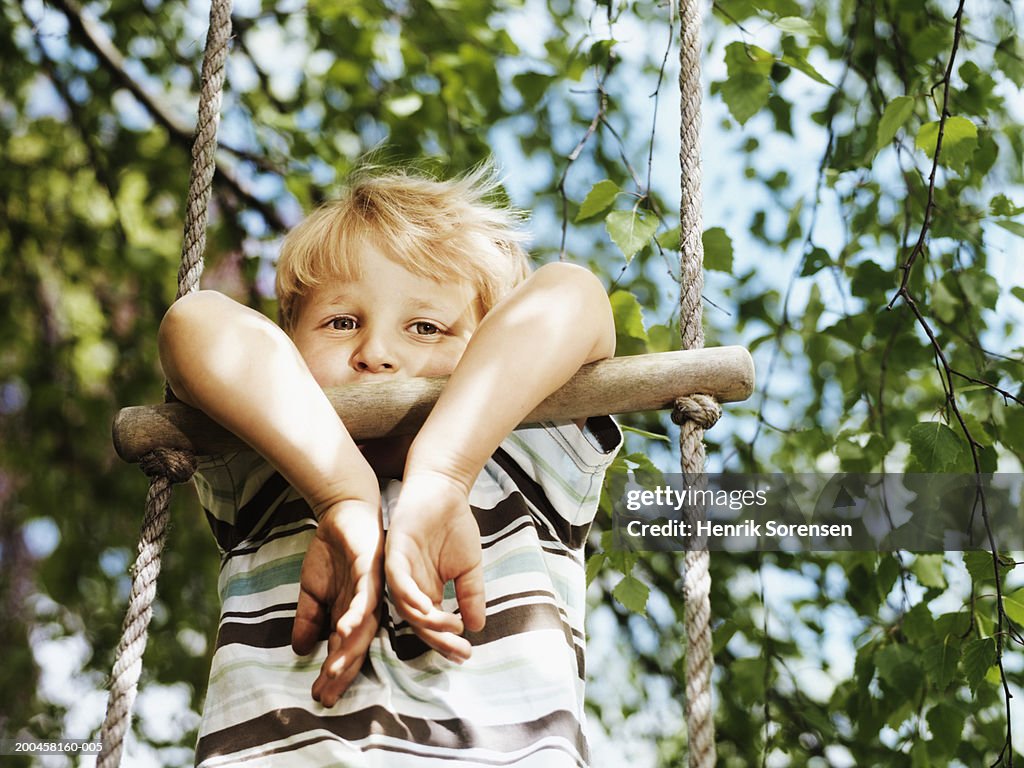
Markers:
204,147
166,467
700,412
163,472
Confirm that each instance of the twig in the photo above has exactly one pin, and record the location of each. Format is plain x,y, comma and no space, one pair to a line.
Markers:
929,208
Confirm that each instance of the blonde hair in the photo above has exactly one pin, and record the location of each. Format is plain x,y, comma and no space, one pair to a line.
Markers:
442,230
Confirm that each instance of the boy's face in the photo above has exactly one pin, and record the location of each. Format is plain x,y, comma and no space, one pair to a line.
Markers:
389,322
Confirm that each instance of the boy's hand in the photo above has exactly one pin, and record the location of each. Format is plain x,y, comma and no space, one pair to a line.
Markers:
432,538
341,579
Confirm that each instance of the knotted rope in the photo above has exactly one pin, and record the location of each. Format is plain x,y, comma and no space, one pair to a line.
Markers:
165,467
699,412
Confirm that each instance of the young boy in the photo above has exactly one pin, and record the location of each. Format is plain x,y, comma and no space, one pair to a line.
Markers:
403,276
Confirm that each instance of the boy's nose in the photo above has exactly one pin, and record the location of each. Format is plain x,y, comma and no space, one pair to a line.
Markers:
372,356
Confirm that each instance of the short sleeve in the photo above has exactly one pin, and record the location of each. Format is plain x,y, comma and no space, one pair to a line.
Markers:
228,482
560,468
236,490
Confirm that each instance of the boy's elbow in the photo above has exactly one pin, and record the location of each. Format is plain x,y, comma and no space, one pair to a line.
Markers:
580,290
185,323
183,338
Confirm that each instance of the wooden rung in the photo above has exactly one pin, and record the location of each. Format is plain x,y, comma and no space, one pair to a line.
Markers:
387,408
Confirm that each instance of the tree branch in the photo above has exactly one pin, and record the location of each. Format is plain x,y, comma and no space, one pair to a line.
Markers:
96,40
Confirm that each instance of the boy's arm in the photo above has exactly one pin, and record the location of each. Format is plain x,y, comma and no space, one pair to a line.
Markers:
530,344
243,371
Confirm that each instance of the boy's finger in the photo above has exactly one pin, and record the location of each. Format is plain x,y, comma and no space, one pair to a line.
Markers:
469,591
310,616
327,689
353,613
406,591
414,605
356,628
434,619
346,653
453,647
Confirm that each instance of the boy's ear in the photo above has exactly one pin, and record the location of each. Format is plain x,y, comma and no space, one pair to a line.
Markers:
286,316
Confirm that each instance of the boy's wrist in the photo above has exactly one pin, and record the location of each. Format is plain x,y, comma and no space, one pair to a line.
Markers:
345,482
352,520
457,469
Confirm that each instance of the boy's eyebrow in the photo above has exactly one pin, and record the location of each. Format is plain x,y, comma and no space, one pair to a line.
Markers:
422,305
416,304
338,298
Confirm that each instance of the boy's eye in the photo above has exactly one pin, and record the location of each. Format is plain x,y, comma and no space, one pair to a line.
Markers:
343,323
423,328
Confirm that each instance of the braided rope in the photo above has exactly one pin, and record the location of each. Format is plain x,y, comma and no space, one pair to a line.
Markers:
695,414
204,147
166,467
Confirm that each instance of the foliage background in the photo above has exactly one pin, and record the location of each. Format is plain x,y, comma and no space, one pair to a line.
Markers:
879,288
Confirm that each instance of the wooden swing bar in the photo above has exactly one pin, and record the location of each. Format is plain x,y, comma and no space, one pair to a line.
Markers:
388,408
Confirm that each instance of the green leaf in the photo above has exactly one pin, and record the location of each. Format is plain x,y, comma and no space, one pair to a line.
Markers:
1013,435
815,261
600,196
994,676
594,564
986,624
632,593
601,52
918,624
1013,604
748,676
871,279
979,565
940,661
980,287
979,655
532,86
630,334
945,304
1011,226
928,570
898,666
796,26
897,112
947,724
717,250
959,140
631,230
1001,205
801,64
935,446
1018,292
722,635
1009,56
954,623
644,471
747,87
669,239
975,426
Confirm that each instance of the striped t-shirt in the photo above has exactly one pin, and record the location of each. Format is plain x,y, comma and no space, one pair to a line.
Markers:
518,701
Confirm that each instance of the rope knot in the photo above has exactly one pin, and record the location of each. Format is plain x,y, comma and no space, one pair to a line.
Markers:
702,410
177,466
